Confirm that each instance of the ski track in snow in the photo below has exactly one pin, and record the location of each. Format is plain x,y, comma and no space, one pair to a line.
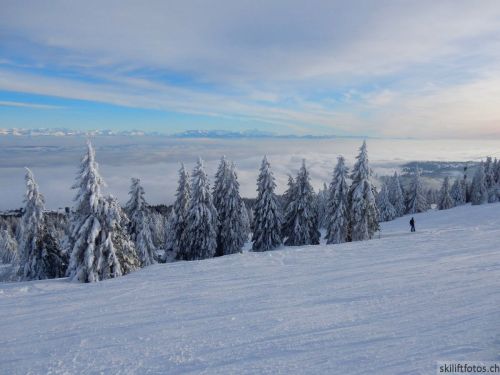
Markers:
393,305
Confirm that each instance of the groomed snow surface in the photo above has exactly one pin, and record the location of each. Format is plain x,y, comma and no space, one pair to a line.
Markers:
393,305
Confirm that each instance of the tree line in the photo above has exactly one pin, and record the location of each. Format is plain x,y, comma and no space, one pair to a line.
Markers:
101,239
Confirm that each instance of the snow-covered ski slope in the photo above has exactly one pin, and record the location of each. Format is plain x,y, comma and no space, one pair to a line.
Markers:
394,305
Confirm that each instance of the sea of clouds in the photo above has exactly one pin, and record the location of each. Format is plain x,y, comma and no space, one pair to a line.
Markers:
155,160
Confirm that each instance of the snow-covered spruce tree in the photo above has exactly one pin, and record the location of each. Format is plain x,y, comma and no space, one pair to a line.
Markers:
445,200
386,211
300,225
267,215
228,203
30,230
289,194
245,221
250,217
41,257
479,192
337,211
396,195
8,247
321,204
97,234
140,224
496,169
416,200
201,231
457,192
116,223
363,215
432,197
492,186
494,193
286,200
466,189
177,221
489,173
158,227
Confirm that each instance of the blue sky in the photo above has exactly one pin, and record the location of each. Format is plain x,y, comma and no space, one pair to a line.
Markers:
378,68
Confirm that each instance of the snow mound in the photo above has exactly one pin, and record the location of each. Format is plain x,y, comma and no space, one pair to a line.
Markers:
396,304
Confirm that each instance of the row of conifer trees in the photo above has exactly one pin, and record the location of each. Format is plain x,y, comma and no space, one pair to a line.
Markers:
104,240
393,201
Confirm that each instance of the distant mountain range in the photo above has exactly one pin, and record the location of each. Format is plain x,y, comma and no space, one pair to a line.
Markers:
62,132
226,134
245,134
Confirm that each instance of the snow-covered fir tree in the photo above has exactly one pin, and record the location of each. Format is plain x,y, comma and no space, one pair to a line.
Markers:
140,224
457,193
267,215
8,247
416,200
490,181
97,233
177,221
363,215
158,225
247,228
494,193
250,217
432,197
496,169
386,211
285,201
489,172
201,231
396,195
30,229
466,189
337,211
116,223
300,225
445,200
478,190
228,203
321,204
41,257
289,194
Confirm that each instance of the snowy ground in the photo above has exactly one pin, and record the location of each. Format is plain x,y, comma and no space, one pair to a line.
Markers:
394,305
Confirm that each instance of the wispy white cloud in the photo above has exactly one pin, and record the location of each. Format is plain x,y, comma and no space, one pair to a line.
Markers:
130,92
296,39
4,103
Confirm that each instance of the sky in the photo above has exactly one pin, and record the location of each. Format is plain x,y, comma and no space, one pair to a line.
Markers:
423,69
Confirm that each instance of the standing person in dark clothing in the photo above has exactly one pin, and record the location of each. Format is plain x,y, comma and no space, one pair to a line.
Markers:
412,224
